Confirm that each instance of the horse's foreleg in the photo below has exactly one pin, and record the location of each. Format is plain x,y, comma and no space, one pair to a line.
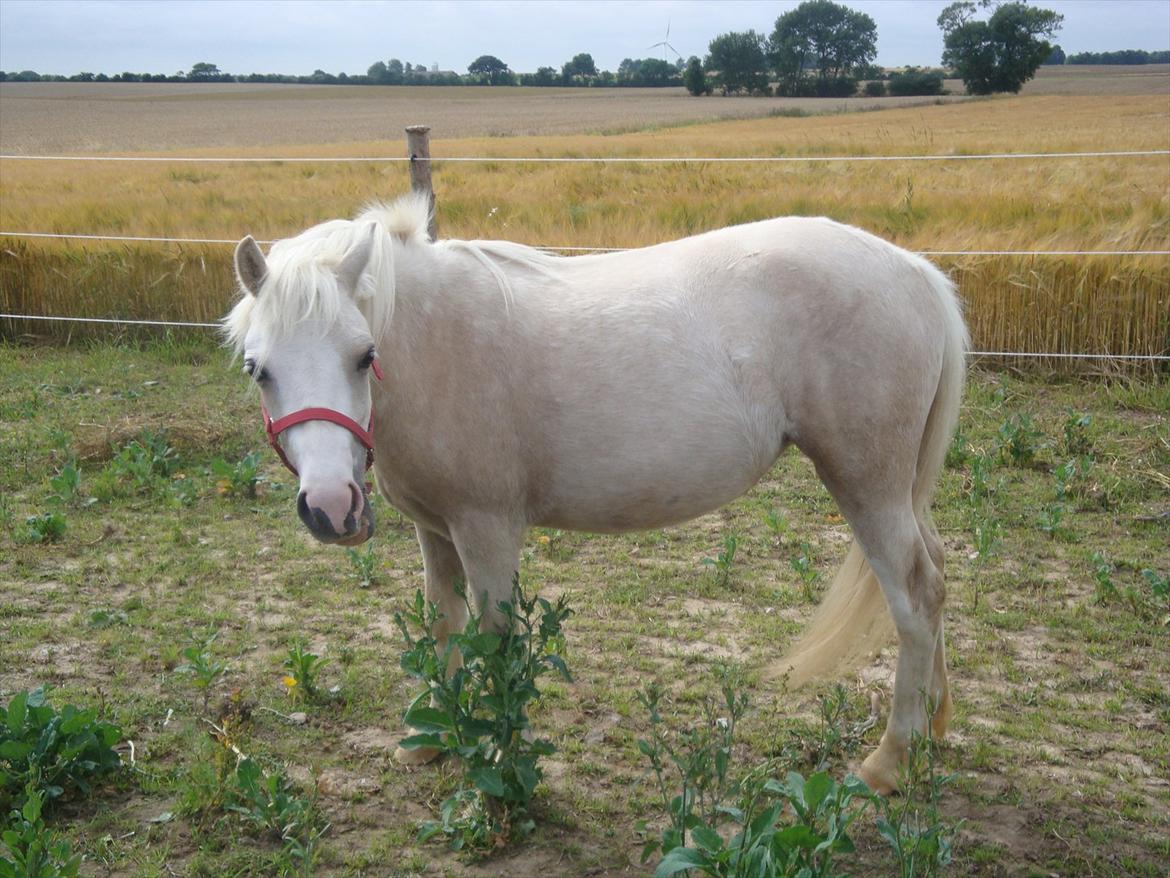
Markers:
442,569
489,547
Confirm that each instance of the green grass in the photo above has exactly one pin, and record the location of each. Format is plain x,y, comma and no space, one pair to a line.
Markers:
1062,725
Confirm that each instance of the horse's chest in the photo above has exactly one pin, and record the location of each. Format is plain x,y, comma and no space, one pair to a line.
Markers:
406,499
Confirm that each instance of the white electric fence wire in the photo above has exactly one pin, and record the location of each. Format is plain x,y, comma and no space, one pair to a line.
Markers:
592,160
1036,354
559,249
780,159
114,320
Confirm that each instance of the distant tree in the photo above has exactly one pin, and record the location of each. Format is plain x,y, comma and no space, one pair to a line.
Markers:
204,72
1056,57
489,68
394,72
377,73
1000,54
544,76
913,81
695,79
1125,56
831,39
647,73
738,59
581,69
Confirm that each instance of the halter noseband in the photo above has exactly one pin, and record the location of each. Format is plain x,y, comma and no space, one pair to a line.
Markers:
364,436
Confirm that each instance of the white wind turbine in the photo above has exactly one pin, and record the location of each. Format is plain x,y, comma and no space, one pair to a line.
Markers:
665,44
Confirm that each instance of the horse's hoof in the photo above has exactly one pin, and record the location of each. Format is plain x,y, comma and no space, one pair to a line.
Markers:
941,721
879,775
417,756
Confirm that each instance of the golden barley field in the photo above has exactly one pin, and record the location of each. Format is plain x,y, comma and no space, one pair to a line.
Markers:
1115,304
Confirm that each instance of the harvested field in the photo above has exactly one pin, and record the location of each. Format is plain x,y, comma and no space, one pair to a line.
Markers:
142,117
77,118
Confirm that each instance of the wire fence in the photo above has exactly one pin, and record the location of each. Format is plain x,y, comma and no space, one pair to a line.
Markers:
563,160
784,159
558,248
191,325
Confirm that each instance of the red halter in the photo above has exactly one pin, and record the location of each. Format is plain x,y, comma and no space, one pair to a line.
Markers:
364,436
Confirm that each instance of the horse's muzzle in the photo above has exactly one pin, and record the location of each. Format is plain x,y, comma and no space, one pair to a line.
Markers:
342,516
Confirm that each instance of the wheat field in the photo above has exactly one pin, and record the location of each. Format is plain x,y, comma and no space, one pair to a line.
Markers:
1067,304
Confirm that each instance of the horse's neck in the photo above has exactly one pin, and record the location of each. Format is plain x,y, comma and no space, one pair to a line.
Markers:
434,288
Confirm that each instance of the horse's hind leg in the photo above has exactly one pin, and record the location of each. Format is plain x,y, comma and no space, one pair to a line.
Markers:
903,555
914,591
940,687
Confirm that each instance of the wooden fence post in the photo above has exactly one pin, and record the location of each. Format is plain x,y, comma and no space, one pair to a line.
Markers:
418,145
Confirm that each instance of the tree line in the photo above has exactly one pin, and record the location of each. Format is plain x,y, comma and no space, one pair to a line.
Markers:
1125,56
819,49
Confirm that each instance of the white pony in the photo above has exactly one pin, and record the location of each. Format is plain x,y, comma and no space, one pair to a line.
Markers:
615,392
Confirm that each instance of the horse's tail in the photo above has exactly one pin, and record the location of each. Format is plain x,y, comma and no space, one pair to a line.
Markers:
852,622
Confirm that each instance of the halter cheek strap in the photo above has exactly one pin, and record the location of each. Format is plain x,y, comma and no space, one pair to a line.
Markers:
363,435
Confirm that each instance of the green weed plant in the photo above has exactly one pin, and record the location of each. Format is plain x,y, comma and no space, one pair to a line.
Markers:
723,826
66,484
722,564
46,527
479,713
802,563
202,665
1019,440
303,669
1076,435
363,566
32,850
57,752
269,804
910,823
239,479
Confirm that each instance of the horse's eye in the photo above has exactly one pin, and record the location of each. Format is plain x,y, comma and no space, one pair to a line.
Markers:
367,360
259,375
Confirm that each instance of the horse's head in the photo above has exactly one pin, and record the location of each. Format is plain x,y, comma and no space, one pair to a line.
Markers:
310,351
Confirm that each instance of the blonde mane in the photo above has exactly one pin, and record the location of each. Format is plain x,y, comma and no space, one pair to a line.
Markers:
301,283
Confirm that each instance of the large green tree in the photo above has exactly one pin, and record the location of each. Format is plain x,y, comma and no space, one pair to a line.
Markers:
833,40
647,72
580,69
491,69
999,54
695,79
738,61
204,72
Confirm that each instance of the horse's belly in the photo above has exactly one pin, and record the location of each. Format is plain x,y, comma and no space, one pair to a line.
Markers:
637,489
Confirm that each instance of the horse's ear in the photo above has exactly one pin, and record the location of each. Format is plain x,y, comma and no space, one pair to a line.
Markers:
349,270
251,267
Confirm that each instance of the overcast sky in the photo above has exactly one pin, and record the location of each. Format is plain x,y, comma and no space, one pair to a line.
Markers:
299,36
